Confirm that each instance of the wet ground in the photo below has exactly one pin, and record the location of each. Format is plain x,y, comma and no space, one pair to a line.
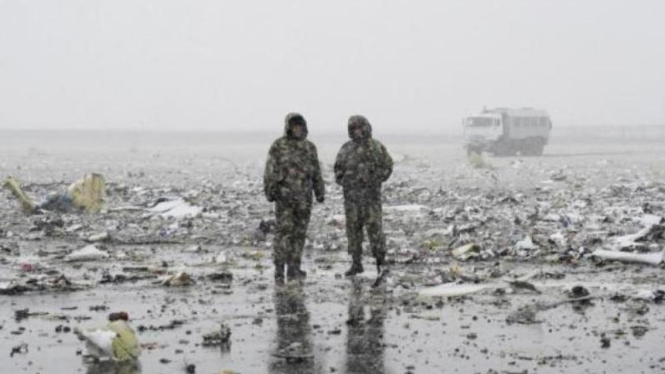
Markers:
328,324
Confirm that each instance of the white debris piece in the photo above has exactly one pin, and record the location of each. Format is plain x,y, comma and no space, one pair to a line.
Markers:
99,342
642,258
646,295
197,248
412,208
179,279
175,209
101,237
525,244
5,286
648,220
452,290
466,251
87,253
633,241
559,239
224,258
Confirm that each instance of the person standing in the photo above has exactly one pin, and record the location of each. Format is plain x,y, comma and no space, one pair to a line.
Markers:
292,175
361,167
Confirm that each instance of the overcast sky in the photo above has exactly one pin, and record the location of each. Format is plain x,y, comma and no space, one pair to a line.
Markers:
414,66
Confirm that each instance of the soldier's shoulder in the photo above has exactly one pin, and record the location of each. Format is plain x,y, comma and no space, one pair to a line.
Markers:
378,144
279,141
278,144
309,143
348,144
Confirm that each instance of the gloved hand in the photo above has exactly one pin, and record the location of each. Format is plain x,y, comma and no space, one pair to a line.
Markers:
320,199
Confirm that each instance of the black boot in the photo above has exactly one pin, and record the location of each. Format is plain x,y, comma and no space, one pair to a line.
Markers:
279,272
381,271
294,272
356,267
380,264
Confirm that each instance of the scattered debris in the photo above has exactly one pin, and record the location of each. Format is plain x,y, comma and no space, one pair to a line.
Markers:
219,338
85,195
466,252
640,258
87,253
295,352
452,290
177,209
116,341
20,349
180,279
101,237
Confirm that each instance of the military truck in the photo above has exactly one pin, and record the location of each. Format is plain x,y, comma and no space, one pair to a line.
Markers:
507,132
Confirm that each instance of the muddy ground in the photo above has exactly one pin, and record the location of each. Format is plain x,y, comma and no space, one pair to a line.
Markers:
576,199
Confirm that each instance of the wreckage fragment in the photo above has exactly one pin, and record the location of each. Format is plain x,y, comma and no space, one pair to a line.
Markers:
637,240
87,253
218,338
88,195
26,202
640,258
452,290
466,251
180,279
116,341
177,209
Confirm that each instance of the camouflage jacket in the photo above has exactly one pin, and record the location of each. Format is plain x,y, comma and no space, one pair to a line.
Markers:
362,165
292,171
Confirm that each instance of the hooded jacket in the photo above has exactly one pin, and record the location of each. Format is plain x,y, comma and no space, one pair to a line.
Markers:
362,163
292,171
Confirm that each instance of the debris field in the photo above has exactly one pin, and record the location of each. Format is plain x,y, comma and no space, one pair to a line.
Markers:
548,264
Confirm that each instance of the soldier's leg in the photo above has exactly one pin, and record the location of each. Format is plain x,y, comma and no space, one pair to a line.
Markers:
302,215
377,239
283,237
354,235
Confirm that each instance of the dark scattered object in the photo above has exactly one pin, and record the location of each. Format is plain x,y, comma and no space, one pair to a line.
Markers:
579,291
223,277
605,342
172,325
19,349
218,338
266,226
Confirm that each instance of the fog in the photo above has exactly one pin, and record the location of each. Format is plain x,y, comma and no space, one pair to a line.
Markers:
413,67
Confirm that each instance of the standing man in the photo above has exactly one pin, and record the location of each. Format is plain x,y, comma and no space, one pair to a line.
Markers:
292,174
362,165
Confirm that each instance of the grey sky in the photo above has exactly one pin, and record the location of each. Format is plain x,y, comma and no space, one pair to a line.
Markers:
406,65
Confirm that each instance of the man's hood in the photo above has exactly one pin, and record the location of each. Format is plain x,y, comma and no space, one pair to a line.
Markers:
364,124
290,121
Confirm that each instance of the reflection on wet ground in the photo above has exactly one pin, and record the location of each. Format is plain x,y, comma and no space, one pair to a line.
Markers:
107,367
293,351
364,338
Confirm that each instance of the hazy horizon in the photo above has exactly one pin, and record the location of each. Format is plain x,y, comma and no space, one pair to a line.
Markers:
413,67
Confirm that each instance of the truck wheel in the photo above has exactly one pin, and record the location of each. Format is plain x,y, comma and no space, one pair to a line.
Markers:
529,147
538,146
532,147
539,149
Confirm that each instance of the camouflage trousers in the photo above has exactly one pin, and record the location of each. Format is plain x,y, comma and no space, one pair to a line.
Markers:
365,214
292,219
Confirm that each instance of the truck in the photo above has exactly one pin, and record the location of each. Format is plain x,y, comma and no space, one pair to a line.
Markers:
507,131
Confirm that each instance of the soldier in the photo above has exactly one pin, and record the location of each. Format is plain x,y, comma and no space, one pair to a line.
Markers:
292,173
362,165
